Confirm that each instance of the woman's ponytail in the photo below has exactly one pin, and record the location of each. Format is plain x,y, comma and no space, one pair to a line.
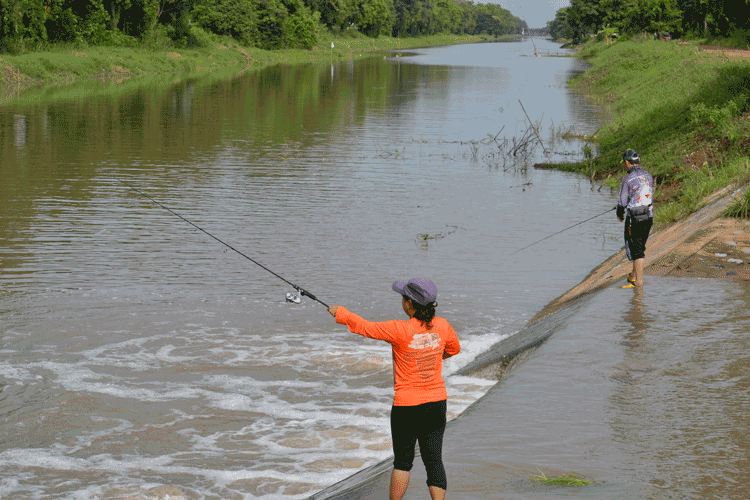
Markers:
425,314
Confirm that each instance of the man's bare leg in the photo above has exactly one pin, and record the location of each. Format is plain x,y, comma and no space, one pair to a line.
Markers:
638,271
399,483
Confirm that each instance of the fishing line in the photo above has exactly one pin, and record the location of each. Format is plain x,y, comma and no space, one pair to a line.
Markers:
289,296
571,227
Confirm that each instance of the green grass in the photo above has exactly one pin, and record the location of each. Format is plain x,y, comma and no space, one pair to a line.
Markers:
570,479
61,65
740,208
685,111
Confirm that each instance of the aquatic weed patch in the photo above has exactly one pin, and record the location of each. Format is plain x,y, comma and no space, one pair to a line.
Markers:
571,479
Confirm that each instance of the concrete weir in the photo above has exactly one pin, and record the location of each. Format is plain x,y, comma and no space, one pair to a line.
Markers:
683,248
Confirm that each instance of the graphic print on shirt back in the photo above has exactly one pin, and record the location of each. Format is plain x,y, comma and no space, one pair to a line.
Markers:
645,193
427,353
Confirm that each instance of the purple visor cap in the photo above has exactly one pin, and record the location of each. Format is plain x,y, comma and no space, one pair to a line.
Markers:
421,290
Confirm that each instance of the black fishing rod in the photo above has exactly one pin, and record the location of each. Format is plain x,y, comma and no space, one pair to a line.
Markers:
289,296
571,227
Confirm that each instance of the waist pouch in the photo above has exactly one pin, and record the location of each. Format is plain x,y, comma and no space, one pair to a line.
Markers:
640,214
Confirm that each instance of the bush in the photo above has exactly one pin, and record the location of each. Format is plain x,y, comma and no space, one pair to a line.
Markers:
200,38
114,38
159,38
236,18
718,117
740,208
302,30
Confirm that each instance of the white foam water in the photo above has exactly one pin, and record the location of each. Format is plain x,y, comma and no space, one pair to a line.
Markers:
179,408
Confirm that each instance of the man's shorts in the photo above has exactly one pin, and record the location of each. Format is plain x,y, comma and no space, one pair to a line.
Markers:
636,234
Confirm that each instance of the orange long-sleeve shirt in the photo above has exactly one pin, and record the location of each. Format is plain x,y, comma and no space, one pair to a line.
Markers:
417,354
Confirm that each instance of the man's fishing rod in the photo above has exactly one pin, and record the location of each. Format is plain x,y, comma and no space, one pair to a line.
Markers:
571,227
289,297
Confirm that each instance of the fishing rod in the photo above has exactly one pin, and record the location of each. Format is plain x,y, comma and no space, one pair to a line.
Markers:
571,227
289,296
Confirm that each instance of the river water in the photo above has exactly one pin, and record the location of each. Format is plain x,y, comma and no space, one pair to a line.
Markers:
140,358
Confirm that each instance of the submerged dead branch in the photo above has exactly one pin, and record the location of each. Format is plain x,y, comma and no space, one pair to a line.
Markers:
495,151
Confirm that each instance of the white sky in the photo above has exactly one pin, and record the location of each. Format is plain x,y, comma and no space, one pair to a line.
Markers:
536,13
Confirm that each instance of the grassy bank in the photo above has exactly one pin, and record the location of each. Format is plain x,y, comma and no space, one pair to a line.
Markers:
684,109
60,66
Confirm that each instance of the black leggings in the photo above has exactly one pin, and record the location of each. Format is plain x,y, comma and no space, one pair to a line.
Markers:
424,423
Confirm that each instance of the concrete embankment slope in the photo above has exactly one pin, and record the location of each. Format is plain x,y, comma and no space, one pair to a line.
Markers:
704,245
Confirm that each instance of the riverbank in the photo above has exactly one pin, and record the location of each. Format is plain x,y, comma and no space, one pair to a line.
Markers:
46,72
684,109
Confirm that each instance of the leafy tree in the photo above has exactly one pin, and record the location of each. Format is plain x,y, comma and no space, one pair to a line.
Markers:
585,17
730,15
559,28
114,9
406,15
491,19
236,18
468,18
652,16
373,17
22,20
336,14
301,28
452,15
694,14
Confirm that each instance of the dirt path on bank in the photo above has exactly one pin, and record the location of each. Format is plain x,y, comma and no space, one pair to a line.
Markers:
719,51
734,53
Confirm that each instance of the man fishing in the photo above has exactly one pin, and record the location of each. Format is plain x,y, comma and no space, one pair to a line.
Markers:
635,206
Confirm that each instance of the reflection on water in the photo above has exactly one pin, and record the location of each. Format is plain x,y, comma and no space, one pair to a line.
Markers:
637,316
138,354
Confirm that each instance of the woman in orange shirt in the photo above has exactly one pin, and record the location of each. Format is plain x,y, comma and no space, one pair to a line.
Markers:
419,403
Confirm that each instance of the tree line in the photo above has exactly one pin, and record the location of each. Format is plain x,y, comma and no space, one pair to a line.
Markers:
266,24
681,18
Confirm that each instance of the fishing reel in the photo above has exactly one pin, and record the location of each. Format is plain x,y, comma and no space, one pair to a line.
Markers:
295,298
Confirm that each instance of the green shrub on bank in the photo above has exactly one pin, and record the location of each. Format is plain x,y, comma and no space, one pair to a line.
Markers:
235,18
741,206
719,119
302,30
115,38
